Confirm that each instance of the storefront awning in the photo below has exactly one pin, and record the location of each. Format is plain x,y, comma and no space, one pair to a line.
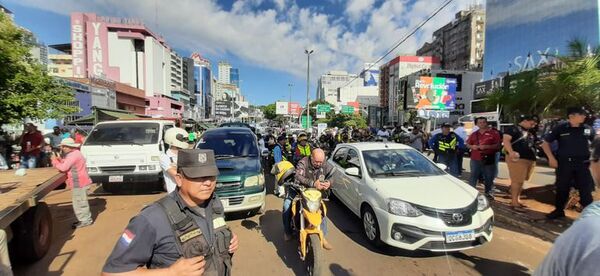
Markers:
100,115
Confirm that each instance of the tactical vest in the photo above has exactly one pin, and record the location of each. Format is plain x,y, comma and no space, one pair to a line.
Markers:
447,144
191,242
303,151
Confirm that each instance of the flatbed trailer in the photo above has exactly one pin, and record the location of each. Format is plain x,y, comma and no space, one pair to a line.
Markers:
24,217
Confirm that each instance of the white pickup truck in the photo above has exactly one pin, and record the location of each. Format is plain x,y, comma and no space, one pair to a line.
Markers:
128,151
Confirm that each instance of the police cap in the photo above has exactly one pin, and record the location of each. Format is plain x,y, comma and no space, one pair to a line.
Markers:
195,163
576,110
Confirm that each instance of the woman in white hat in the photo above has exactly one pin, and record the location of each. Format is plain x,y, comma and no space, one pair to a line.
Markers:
73,164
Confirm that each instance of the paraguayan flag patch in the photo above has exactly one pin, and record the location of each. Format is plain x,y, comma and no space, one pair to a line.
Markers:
127,237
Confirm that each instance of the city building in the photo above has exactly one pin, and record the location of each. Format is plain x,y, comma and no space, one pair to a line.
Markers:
127,98
202,85
88,95
459,44
60,65
234,76
125,51
224,72
526,34
329,84
390,74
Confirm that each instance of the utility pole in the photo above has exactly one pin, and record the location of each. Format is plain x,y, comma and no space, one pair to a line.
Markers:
308,53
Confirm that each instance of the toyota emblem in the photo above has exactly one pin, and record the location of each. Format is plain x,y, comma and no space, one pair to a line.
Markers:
458,217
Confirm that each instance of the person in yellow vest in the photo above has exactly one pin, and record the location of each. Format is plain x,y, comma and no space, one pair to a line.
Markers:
445,145
302,148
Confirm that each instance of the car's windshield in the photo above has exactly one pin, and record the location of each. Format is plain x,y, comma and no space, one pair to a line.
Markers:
124,133
230,144
397,163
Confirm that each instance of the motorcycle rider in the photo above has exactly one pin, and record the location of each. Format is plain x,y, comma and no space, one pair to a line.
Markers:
309,172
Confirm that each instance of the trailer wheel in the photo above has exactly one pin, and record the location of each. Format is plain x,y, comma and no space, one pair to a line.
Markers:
33,233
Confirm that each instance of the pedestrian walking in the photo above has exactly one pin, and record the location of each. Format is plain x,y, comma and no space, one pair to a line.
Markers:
519,145
183,233
484,143
572,161
73,163
31,143
416,138
177,139
445,145
577,250
55,138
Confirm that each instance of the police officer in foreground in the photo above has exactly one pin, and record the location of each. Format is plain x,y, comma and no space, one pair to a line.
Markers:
572,160
184,233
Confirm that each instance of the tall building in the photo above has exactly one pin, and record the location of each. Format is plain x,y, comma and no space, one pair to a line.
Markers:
202,85
390,74
329,84
60,65
459,44
224,72
234,77
526,34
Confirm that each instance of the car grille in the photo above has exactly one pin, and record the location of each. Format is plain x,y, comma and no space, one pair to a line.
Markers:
229,186
440,245
123,169
235,200
451,217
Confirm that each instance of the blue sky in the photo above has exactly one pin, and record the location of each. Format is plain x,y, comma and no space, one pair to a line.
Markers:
265,39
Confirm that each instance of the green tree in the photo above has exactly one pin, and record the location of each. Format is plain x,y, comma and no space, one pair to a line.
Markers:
26,91
269,111
347,120
548,91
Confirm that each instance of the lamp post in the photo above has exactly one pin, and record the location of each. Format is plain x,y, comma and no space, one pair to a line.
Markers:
307,52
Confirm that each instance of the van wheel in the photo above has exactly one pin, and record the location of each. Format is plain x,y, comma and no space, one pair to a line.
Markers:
32,233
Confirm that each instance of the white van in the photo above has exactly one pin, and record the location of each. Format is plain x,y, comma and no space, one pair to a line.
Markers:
125,151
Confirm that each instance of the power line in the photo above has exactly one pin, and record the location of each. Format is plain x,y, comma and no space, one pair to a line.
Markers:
431,16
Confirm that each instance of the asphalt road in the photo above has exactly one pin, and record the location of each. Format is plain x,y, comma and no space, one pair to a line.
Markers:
263,251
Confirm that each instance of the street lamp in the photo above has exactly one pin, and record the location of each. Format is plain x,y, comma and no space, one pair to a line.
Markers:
290,85
308,52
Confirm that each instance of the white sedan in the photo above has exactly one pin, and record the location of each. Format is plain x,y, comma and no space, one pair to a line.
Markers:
407,201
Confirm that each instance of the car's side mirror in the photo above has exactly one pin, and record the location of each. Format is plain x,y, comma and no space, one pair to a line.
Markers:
441,166
354,171
264,153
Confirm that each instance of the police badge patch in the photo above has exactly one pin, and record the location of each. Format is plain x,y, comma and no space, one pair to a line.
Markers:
202,158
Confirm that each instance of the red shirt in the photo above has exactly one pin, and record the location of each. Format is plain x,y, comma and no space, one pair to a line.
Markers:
35,139
488,137
79,139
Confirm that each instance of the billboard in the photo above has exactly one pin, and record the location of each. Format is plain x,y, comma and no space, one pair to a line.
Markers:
432,93
281,108
371,77
485,88
223,108
240,109
294,109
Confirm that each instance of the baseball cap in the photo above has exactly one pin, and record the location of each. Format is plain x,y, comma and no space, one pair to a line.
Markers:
525,117
195,163
446,125
576,110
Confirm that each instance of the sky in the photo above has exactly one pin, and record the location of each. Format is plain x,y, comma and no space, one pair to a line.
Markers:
265,39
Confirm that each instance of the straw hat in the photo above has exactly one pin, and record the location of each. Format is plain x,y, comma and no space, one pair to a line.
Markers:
69,142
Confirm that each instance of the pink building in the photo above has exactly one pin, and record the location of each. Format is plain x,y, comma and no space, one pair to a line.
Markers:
163,107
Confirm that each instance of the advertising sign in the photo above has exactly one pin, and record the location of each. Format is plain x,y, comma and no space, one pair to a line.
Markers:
281,108
321,127
371,77
78,45
485,88
323,108
294,109
223,108
240,109
434,93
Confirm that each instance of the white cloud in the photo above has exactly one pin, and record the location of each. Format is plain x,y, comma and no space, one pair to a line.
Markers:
274,38
356,9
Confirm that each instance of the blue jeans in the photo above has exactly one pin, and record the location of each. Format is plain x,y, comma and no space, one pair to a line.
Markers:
497,162
287,214
478,169
451,161
28,161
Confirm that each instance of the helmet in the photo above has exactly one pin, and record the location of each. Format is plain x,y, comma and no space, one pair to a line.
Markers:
177,137
282,171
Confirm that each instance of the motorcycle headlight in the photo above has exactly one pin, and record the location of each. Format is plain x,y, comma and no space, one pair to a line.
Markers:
482,203
401,208
313,205
255,180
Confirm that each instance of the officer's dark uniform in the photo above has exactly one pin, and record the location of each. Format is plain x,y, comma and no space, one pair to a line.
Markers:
150,238
573,162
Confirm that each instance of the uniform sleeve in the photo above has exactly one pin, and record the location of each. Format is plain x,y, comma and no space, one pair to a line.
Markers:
165,162
552,135
134,247
461,142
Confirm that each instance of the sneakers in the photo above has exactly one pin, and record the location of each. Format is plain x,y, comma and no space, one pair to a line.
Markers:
556,214
79,224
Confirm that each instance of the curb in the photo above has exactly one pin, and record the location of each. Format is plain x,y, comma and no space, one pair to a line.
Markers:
505,215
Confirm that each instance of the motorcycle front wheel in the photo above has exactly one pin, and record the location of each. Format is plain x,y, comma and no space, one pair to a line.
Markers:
314,261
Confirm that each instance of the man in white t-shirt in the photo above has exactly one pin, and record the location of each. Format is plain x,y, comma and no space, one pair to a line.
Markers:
177,139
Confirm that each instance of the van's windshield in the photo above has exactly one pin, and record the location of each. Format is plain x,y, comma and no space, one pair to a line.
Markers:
123,134
230,145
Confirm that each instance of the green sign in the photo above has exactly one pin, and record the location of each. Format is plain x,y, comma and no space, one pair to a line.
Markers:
323,108
347,109
303,121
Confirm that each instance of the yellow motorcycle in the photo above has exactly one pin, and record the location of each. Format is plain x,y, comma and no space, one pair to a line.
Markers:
308,210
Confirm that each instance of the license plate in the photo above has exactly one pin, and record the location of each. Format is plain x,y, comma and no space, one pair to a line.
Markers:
115,178
225,202
460,236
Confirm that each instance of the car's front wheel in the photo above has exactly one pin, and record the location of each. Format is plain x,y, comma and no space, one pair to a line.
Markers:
371,226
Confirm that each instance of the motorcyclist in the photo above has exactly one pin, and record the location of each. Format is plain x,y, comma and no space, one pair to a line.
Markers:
309,173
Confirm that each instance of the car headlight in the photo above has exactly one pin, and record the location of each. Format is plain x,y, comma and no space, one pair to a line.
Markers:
155,158
313,205
482,203
255,180
92,169
401,208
